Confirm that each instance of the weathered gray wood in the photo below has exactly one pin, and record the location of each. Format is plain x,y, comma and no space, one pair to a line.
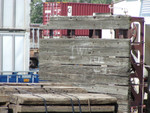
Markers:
84,70
83,51
79,78
89,22
35,84
65,109
120,92
84,60
112,43
36,89
62,99
73,61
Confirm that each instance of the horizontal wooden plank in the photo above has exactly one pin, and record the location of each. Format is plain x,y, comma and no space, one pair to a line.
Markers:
35,84
89,22
112,43
62,109
62,99
37,89
77,78
54,51
106,89
86,60
84,70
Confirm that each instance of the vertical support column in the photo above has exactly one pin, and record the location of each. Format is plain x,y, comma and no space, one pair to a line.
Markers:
33,37
1,12
38,37
1,54
13,52
14,13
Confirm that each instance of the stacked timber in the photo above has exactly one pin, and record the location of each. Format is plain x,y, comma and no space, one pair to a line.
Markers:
97,65
61,102
53,97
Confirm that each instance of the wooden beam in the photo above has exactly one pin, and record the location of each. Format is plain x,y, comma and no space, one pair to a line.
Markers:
89,22
62,99
62,109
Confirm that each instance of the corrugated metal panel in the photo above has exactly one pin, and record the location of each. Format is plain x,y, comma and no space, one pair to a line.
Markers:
77,9
14,51
145,8
14,14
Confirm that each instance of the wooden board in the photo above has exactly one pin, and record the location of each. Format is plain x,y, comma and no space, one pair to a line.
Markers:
62,109
89,22
112,43
62,99
84,70
35,84
79,78
8,90
84,60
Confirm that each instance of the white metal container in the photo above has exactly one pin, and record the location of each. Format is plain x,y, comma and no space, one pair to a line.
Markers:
15,14
14,51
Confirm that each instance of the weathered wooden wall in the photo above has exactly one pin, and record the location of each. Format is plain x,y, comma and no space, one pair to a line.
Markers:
98,65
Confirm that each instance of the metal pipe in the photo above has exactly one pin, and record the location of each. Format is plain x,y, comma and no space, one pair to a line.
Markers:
1,12
1,54
13,51
14,14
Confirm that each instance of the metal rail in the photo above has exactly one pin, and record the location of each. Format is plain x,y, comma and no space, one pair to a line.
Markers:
137,46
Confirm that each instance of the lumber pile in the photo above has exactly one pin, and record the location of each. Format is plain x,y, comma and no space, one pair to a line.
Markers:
97,65
52,97
62,102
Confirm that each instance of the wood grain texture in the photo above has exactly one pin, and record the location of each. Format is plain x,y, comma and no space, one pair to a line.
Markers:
63,109
79,78
8,90
62,99
89,22
113,43
97,65
84,70
84,60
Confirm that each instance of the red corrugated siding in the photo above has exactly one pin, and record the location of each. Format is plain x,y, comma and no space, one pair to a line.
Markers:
78,9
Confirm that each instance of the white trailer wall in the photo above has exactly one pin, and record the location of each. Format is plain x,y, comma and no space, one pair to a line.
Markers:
15,14
131,8
14,51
